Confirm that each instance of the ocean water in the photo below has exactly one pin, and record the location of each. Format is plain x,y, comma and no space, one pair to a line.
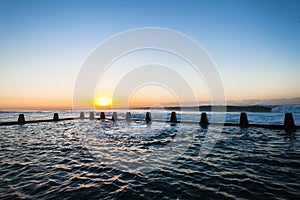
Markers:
100,159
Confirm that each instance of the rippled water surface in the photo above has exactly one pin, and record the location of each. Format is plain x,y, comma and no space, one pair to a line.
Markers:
99,159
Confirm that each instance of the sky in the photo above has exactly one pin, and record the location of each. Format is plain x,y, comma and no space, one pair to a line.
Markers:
255,46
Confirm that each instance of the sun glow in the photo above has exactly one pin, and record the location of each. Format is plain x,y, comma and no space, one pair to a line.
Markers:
103,102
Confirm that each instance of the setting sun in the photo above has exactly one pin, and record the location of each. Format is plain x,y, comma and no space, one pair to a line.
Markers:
103,102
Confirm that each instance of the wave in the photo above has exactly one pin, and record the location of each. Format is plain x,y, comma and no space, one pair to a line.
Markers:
215,108
286,108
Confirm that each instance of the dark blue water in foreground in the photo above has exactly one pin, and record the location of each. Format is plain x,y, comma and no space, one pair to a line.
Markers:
85,159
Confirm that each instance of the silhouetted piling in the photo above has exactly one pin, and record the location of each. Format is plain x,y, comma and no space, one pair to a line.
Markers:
173,117
55,117
203,120
128,116
289,124
148,117
81,116
21,119
102,115
244,120
92,116
114,116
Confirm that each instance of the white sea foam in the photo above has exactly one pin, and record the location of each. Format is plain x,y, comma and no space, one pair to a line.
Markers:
286,108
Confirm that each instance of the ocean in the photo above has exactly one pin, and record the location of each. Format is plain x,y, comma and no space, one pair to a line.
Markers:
101,159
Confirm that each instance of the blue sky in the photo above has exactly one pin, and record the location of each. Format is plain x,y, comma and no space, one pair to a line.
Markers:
254,44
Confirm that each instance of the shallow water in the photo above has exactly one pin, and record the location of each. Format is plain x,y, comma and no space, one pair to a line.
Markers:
83,159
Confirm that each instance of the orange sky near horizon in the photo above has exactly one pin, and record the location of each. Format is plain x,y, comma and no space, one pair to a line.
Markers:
151,95
137,100
27,102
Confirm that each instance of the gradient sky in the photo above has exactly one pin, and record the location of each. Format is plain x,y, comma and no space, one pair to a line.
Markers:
254,44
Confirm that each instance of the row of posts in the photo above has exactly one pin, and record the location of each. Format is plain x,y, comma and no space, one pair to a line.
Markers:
21,118
289,124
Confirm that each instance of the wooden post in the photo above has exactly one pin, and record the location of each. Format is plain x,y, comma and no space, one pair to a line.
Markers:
92,116
102,115
203,120
21,119
173,117
289,124
148,117
114,116
128,116
81,116
55,117
244,120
